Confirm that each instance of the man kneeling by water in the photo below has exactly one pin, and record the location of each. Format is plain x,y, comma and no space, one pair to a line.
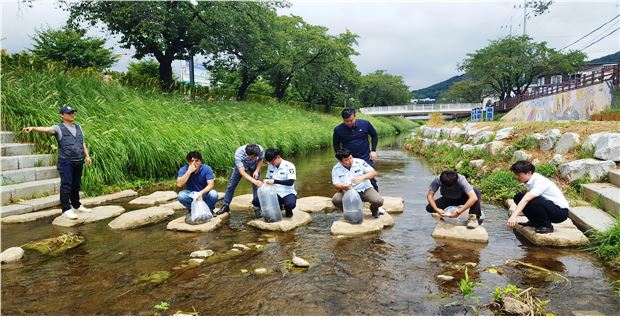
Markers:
455,191
543,203
196,177
282,173
355,173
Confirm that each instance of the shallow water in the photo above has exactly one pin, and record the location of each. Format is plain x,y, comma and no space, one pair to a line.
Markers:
390,273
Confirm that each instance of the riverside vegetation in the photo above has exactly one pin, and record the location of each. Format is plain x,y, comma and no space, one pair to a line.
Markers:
137,136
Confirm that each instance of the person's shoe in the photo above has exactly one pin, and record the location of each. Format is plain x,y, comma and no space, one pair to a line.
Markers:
381,210
526,224
258,213
544,230
472,221
83,209
375,212
224,209
288,215
69,213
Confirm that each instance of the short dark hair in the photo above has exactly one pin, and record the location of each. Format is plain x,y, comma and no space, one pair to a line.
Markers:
448,178
193,154
271,154
522,167
346,113
252,149
342,153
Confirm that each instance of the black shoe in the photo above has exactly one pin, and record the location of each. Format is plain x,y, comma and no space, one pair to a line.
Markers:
527,224
224,209
544,229
258,213
375,212
288,215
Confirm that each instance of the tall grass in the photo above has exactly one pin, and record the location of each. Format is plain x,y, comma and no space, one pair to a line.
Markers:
136,134
606,244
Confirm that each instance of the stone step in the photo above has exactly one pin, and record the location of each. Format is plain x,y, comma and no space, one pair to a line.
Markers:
7,137
29,190
26,161
590,218
11,149
610,196
28,174
614,176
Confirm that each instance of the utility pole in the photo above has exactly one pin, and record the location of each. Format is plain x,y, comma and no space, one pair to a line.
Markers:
524,15
191,76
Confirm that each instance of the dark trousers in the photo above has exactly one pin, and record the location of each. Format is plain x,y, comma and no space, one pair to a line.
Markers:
373,181
70,182
541,211
443,202
235,178
288,202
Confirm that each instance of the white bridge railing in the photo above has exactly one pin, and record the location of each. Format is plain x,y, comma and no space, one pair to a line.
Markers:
414,109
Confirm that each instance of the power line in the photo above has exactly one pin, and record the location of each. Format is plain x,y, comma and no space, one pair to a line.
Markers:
610,33
614,18
601,33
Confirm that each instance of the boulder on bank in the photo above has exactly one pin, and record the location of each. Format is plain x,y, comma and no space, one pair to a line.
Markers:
242,203
315,204
565,234
11,255
179,224
299,218
476,163
141,217
547,141
520,155
590,141
154,198
504,133
445,230
495,147
608,147
557,159
369,225
592,168
98,213
567,142
482,137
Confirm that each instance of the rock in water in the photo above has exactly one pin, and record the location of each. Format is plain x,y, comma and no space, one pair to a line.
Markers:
299,262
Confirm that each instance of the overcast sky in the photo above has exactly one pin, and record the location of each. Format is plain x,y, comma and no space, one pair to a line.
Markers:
422,41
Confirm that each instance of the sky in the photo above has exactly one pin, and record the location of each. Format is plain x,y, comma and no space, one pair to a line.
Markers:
422,41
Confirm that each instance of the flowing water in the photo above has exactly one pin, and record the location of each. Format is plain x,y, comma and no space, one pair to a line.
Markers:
390,273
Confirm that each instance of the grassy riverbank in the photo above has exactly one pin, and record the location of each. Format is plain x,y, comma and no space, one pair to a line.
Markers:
144,136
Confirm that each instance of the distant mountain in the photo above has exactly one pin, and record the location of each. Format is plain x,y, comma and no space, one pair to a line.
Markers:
435,90
614,57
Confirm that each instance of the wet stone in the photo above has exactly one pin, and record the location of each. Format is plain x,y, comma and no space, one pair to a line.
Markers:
56,245
29,217
92,201
460,232
445,277
154,198
179,224
242,203
11,255
176,206
315,204
299,218
97,214
202,253
369,225
141,217
391,204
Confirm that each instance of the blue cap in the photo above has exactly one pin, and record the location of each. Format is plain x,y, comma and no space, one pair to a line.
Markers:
66,109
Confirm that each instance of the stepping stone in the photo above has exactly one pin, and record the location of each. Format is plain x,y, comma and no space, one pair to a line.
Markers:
94,201
242,204
15,209
609,193
590,218
391,204
98,213
565,234
29,217
155,198
176,206
447,230
180,225
141,217
369,225
299,218
315,204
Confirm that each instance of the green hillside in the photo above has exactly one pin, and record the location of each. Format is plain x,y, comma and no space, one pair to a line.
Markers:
435,90
610,58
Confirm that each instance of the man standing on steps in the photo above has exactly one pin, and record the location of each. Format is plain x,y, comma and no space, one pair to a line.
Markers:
72,152
248,161
352,134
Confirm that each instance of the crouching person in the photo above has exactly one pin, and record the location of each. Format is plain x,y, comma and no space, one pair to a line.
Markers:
196,177
282,174
455,190
354,173
543,203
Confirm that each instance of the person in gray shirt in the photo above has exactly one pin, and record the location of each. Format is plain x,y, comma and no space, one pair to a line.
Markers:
455,191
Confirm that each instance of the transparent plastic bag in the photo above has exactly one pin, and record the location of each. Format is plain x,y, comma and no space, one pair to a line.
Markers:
200,211
268,199
352,206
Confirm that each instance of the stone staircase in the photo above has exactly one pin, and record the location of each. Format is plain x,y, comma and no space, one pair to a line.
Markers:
608,195
30,182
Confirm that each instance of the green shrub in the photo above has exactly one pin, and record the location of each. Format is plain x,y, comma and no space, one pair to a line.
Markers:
606,244
499,185
547,170
525,142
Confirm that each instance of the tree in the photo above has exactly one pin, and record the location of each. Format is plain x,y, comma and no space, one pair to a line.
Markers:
510,64
73,48
466,91
380,88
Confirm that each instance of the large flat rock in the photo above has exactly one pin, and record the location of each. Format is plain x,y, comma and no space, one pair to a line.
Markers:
609,193
141,217
299,218
30,217
92,201
460,232
315,204
180,225
242,204
155,198
369,225
98,213
590,218
176,206
391,204
565,234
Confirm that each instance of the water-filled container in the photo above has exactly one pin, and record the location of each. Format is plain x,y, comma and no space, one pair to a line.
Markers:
201,213
269,205
352,206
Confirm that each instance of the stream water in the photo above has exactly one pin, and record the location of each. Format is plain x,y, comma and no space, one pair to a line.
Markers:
393,272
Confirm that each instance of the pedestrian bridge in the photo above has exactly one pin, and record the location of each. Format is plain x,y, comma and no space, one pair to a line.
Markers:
423,110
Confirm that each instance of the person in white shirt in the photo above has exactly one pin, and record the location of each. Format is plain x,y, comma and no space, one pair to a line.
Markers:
354,173
282,174
543,203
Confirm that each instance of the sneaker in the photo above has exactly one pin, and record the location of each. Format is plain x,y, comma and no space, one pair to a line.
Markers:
544,230
69,213
83,209
381,210
258,213
224,209
472,221
375,212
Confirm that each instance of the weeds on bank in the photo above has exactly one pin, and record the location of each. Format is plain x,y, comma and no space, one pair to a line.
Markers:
536,306
606,245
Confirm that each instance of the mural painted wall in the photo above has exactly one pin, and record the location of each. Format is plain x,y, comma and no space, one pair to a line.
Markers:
572,105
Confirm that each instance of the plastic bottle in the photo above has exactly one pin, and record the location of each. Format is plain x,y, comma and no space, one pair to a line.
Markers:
269,205
352,206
